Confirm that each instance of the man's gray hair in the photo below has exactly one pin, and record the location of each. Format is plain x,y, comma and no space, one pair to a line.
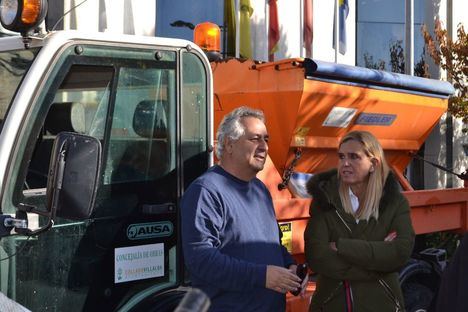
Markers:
231,127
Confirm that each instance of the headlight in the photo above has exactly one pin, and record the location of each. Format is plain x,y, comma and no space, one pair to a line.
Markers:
8,11
22,15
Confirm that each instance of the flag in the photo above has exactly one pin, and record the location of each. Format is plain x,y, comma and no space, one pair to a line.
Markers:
246,11
129,22
343,14
308,27
344,11
102,24
230,27
273,30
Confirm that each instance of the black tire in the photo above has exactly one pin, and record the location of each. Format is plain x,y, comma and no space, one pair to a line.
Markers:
418,297
420,284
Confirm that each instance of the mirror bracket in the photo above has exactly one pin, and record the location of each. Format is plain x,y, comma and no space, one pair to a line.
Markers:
22,216
32,209
4,228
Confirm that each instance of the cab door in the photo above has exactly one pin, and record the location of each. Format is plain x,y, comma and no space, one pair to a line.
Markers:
148,107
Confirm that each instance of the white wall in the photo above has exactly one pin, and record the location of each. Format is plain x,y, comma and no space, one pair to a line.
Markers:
460,9
259,30
133,17
290,22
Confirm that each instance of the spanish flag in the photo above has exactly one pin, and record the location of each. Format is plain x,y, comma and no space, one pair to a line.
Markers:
273,30
308,27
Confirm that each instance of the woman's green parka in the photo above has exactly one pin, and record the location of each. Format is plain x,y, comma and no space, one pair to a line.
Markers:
364,259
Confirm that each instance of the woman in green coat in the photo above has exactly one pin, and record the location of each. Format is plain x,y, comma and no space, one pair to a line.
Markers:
360,233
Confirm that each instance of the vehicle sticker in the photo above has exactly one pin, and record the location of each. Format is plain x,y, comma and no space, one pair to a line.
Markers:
339,117
299,140
138,262
302,131
286,240
300,134
375,119
149,230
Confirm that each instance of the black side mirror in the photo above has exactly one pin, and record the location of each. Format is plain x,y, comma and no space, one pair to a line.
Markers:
72,182
74,174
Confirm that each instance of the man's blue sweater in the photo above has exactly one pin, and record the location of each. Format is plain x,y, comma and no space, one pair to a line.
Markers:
229,236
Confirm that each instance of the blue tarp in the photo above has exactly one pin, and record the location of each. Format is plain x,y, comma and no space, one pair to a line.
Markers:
372,77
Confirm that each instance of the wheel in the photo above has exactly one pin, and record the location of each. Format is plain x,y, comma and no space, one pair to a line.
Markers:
418,297
419,283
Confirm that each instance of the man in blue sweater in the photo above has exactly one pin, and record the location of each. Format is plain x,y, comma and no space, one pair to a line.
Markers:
230,237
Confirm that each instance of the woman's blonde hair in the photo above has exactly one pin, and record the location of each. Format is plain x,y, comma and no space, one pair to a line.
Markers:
376,182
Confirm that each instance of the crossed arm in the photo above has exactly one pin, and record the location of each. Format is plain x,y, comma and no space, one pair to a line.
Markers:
359,259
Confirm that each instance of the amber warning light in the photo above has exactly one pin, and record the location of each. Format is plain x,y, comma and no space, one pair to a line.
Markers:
22,15
31,11
207,36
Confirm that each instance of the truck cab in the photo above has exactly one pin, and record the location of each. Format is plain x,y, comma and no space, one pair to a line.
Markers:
147,102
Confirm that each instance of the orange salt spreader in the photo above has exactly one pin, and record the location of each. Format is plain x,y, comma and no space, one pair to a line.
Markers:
309,105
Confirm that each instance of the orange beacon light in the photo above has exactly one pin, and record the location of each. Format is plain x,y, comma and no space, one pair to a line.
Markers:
207,36
31,11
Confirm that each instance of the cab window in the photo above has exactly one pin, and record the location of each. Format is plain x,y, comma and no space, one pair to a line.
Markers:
80,105
142,135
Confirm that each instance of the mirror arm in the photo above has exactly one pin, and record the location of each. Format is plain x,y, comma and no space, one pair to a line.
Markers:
33,209
58,181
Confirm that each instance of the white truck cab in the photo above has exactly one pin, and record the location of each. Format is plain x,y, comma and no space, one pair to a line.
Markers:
100,134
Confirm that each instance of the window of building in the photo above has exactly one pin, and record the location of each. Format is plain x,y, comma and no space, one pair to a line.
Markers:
380,34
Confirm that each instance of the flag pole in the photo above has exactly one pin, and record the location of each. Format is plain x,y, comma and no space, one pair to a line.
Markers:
301,14
237,8
267,27
409,37
337,25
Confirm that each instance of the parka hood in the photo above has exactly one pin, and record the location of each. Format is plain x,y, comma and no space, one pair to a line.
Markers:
324,189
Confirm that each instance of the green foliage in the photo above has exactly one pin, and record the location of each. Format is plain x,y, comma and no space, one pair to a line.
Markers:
451,56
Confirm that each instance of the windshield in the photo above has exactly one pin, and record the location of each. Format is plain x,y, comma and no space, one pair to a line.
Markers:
13,67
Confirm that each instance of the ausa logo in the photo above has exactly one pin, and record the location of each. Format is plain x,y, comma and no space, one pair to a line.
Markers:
149,230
